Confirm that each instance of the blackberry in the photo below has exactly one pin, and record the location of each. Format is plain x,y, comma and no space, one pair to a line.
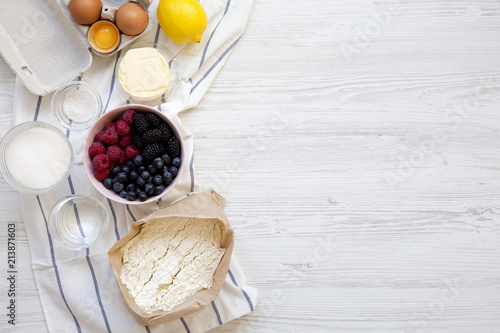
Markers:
151,136
138,142
140,122
153,120
166,131
151,151
173,147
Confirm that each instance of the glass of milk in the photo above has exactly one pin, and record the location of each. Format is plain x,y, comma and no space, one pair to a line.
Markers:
35,157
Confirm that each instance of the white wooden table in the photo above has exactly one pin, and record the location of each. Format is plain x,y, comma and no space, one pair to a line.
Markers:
357,143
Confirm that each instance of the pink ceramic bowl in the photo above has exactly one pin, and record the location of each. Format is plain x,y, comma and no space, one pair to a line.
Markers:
99,126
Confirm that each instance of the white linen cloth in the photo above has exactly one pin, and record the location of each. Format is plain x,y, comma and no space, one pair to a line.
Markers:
77,289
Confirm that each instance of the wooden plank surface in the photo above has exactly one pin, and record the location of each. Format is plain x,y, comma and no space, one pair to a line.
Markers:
357,145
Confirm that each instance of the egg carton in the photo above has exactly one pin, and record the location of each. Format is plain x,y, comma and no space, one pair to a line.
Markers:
45,47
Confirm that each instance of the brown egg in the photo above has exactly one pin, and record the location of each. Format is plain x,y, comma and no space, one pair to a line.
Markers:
131,19
85,11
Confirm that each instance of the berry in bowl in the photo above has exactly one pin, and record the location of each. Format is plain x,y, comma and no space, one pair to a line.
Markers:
133,154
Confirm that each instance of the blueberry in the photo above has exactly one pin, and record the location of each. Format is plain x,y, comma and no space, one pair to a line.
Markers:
138,160
122,177
137,191
130,187
159,189
167,178
130,164
149,188
126,169
133,175
118,187
114,171
158,163
176,162
150,180
143,196
130,195
151,169
173,170
108,183
140,182
123,194
145,175
157,180
166,159
141,169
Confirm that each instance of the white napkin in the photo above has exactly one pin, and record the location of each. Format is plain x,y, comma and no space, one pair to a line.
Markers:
77,289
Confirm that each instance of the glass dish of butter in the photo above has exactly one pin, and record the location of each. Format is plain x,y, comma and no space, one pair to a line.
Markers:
148,73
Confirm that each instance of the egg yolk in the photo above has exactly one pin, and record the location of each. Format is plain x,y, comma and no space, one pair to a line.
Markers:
105,37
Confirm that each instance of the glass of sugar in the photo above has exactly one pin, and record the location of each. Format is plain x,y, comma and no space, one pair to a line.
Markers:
77,221
76,105
35,157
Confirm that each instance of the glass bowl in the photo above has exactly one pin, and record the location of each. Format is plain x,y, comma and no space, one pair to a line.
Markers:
175,74
77,221
76,105
35,157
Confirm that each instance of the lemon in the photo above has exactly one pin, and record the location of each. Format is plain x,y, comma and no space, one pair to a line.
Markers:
184,21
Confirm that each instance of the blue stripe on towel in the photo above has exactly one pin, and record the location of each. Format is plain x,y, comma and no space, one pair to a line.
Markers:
191,171
89,262
214,65
243,291
37,110
217,313
114,219
211,35
56,270
157,35
147,329
185,325
130,212
112,80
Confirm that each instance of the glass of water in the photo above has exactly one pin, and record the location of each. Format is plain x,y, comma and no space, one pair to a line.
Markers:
77,221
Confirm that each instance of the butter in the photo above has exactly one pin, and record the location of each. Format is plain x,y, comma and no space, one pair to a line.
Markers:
144,74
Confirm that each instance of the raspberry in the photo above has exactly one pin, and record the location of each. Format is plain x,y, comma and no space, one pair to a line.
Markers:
111,138
173,147
114,153
99,137
131,152
101,162
101,174
126,140
112,164
122,128
96,148
111,126
128,116
123,158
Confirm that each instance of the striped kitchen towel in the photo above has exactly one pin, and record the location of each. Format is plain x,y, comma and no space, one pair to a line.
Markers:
77,289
